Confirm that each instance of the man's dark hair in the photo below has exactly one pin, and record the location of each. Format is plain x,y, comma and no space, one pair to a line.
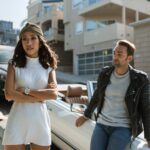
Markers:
130,46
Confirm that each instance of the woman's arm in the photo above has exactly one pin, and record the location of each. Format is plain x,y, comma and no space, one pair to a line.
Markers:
10,92
50,92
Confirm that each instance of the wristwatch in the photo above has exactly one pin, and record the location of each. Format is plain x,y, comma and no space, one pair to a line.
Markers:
26,91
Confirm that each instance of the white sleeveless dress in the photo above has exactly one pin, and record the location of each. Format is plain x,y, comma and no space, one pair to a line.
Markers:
29,122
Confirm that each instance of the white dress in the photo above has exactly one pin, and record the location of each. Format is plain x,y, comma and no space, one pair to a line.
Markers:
29,122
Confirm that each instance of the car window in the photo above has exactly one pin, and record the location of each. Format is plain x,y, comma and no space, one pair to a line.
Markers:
5,56
91,86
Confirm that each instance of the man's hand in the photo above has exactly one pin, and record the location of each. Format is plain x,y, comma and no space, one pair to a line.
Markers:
80,121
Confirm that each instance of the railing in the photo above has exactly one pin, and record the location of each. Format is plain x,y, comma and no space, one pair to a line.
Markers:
53,31
54,34
49,32
109,32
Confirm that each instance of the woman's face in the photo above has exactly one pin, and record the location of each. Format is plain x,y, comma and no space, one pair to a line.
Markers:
30,43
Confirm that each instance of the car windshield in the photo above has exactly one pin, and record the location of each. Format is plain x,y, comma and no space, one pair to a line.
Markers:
5,56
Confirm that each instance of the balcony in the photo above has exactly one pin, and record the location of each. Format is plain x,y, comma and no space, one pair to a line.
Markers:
102,8
49,13
54,34
48,16
110,32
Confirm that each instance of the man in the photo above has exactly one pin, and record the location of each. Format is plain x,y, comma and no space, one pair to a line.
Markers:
122,102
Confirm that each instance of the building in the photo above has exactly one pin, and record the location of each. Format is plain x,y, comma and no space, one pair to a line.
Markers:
142,41
8,35
84,32
93,26
49,14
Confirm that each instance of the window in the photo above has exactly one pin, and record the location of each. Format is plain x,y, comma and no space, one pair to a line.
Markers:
60,7
91,63
77,4
39,14
79,28
47,9
51,1
91,86
60,27
101,24
92,2
91,25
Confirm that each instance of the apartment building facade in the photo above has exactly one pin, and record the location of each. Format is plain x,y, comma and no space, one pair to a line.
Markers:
142,41
93,26
8,35
49,14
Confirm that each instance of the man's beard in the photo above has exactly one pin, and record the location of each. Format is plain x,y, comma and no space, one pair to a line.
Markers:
116,63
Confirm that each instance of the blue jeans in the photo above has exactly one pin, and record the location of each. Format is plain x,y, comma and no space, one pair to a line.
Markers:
110,138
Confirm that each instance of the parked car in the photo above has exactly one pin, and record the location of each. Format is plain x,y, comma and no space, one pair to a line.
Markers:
139,143
64,112
6,53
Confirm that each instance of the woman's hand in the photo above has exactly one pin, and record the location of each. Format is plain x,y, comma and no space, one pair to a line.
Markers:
52,85
20,89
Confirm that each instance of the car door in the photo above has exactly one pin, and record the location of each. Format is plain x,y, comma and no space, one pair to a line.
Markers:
63,125
139,143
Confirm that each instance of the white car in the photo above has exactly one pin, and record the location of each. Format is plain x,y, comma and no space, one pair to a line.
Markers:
63,115
139,143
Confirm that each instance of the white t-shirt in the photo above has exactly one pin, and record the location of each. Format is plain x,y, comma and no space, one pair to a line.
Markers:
114,111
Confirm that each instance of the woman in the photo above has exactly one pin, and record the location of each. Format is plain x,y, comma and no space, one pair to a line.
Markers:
30,81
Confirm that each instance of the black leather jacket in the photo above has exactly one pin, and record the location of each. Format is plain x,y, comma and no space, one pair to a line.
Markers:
137,99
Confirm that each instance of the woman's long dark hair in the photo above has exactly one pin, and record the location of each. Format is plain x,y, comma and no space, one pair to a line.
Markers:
47,57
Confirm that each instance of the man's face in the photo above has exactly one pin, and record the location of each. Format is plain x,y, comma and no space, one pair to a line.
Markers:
120,56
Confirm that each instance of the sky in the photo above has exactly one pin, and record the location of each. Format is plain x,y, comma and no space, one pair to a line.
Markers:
13,10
